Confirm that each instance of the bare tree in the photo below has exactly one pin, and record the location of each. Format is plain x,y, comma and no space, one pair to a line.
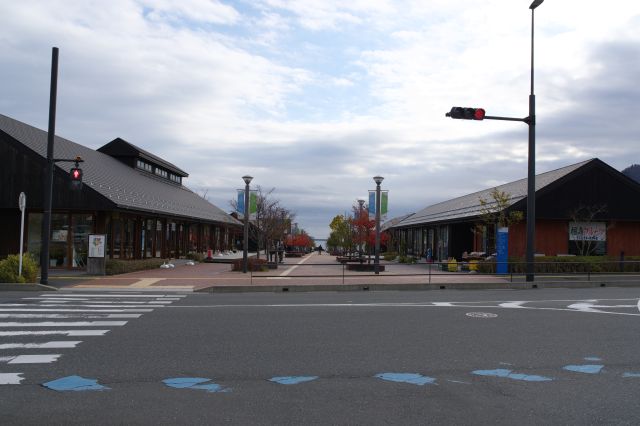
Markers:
495,214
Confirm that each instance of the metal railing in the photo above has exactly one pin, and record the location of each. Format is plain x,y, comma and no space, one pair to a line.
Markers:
464,271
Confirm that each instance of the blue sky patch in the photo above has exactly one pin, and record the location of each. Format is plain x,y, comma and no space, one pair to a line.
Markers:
412,378
586,368
195,383
74,383
292,380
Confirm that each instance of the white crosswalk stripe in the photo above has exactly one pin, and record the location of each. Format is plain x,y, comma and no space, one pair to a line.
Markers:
68,315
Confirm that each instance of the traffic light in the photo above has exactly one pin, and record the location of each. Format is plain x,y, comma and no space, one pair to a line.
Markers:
76,178
466,113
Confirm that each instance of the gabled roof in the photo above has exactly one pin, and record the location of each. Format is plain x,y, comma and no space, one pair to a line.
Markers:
394,221
469,206
126,187
121,148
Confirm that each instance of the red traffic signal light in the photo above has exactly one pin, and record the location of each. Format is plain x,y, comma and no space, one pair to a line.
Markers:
466,113
76,178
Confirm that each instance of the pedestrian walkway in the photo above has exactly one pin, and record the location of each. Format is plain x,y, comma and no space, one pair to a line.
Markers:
315,272
40,329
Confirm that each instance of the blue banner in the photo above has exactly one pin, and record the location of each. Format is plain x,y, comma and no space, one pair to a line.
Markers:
502,244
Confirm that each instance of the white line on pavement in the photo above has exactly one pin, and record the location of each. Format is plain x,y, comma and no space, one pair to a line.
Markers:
10,378
70,333
31,359
288,271
64,324
62,344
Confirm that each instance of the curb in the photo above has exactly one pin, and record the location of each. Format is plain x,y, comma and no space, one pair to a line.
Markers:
25,287
415,287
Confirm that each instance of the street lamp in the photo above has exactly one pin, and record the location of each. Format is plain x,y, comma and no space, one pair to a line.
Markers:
247,180
531,174
361,203
376,263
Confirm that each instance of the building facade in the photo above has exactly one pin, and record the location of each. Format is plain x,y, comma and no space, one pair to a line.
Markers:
135,198
588,208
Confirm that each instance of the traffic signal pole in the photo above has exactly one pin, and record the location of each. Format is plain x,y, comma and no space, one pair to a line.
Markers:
472,114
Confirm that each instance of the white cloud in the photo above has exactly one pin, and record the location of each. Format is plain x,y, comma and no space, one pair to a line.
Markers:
314,98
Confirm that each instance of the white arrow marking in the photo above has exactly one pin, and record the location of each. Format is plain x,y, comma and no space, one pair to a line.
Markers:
512,304
63,344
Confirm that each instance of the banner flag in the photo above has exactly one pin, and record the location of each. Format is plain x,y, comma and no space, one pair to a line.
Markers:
253,203
384,204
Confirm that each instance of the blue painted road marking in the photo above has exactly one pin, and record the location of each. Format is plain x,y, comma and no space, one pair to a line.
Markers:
592,358
631,375
501,372
74,383
412,378
586,368
195,383
292,380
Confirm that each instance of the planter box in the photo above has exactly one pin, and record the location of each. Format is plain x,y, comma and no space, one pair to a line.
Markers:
364,267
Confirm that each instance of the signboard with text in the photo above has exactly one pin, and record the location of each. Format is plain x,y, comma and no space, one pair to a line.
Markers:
587,231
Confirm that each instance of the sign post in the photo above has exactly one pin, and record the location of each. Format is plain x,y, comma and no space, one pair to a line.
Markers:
22,203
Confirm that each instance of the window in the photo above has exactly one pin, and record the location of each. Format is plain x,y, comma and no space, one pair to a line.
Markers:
144,166
175,178
161,172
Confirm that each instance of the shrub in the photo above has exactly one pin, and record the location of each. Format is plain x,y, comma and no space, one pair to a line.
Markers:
121,266
197,257
9,269
389,256
566,264
253,264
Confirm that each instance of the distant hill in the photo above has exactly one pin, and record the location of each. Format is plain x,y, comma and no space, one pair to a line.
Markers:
633,172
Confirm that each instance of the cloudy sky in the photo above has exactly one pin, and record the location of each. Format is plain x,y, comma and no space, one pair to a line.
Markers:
314,98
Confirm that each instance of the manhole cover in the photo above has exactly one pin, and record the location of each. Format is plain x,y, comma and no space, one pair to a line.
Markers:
481,315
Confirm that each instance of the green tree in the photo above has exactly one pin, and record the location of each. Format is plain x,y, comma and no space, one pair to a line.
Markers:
340,236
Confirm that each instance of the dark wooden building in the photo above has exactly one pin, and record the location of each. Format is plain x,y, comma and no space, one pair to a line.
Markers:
134,197
584,208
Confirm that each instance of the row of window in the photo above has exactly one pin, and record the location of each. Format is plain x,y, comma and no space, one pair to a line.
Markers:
143,165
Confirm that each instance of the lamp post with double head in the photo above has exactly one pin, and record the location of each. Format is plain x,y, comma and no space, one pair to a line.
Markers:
376,263
247,180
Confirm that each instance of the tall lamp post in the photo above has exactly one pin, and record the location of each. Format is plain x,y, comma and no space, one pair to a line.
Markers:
376,263
247,180
531,174
361,203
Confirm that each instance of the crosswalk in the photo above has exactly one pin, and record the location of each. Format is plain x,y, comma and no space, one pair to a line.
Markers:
41,329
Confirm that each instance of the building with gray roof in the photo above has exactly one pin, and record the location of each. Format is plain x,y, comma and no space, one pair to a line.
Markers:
134,197
589,195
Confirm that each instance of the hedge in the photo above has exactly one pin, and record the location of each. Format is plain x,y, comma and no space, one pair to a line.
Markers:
117,266
566,264
9,269
253,264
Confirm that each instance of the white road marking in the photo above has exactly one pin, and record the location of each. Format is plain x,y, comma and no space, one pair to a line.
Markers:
70,333
88,306
32,359
512,305
124,296
62,344
10,378
74,310
288,271
72,315
64,324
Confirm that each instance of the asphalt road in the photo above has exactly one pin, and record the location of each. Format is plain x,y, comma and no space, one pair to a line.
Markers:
556,356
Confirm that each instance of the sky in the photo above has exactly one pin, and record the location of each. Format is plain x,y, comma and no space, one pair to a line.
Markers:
314,98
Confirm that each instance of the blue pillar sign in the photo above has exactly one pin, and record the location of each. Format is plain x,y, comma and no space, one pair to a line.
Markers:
502,251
